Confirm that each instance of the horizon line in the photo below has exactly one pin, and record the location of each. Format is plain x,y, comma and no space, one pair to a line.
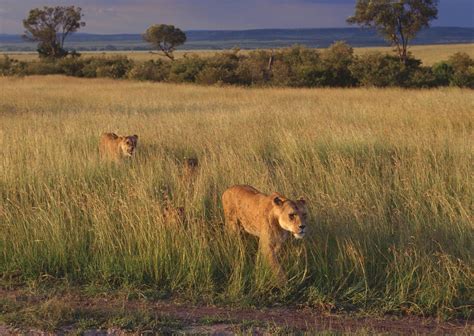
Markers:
252,29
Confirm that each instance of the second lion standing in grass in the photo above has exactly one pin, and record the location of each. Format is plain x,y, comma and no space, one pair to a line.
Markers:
269,217
114,147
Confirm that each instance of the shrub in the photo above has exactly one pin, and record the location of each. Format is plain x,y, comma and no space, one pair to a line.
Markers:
72,66
294,66
464,78
90,68
186,69
281,74
220,68
6,66
443,72
422,78
43,67
11,67
381,70
302,67
156,71
209,76
299,55
312,75
337,60
463,70
253,68
113,67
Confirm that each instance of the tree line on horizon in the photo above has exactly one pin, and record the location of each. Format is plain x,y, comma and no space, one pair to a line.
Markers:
297,66
397,21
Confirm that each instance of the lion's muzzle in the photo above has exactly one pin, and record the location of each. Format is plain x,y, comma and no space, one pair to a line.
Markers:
299,235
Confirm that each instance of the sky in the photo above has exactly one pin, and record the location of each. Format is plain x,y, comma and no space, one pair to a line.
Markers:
127,16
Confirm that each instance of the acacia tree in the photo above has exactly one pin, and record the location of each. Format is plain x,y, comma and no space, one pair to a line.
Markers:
165,37
398,21
50,26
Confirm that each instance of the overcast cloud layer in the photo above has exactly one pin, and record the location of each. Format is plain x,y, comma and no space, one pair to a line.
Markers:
126,16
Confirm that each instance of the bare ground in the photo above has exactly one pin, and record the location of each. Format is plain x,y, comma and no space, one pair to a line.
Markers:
22,313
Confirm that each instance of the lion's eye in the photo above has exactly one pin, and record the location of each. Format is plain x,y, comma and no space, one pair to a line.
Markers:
292,216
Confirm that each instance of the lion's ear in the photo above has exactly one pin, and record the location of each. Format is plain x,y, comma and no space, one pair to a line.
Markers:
135,136
301,200
277,201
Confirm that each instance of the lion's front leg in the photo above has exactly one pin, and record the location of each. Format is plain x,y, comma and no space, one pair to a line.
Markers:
270,253
231,221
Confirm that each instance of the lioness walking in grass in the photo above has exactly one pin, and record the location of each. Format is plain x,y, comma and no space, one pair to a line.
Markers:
269,217
114,147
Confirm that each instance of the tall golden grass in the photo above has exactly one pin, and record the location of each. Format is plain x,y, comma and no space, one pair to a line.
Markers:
387,175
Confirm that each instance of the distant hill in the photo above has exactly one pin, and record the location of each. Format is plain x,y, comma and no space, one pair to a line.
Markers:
248,39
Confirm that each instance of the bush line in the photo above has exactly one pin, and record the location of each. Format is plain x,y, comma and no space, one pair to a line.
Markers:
296,66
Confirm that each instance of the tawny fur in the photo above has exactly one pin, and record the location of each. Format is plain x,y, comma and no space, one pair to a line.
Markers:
190,169
265,216
190,165
172,214
114,147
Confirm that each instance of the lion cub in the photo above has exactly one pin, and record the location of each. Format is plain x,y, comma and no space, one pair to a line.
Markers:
271,218
114,147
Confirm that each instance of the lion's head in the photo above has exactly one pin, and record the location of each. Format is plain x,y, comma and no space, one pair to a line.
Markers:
128,144
291,215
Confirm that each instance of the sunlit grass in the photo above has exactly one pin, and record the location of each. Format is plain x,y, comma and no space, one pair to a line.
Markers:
387,175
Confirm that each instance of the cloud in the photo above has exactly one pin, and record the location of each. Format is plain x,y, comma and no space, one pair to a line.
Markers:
128,16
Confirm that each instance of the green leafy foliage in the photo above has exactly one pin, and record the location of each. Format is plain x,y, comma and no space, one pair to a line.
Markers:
113,67
297,66
463,70
11,67
443,71
397,21
220,68
165,38
50,26
380,70
337,60
186,69
157,71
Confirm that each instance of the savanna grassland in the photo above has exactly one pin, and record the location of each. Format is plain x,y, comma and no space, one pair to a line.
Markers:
387,174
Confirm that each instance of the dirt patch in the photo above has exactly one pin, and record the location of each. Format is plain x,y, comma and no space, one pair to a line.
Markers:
308,319
117,316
